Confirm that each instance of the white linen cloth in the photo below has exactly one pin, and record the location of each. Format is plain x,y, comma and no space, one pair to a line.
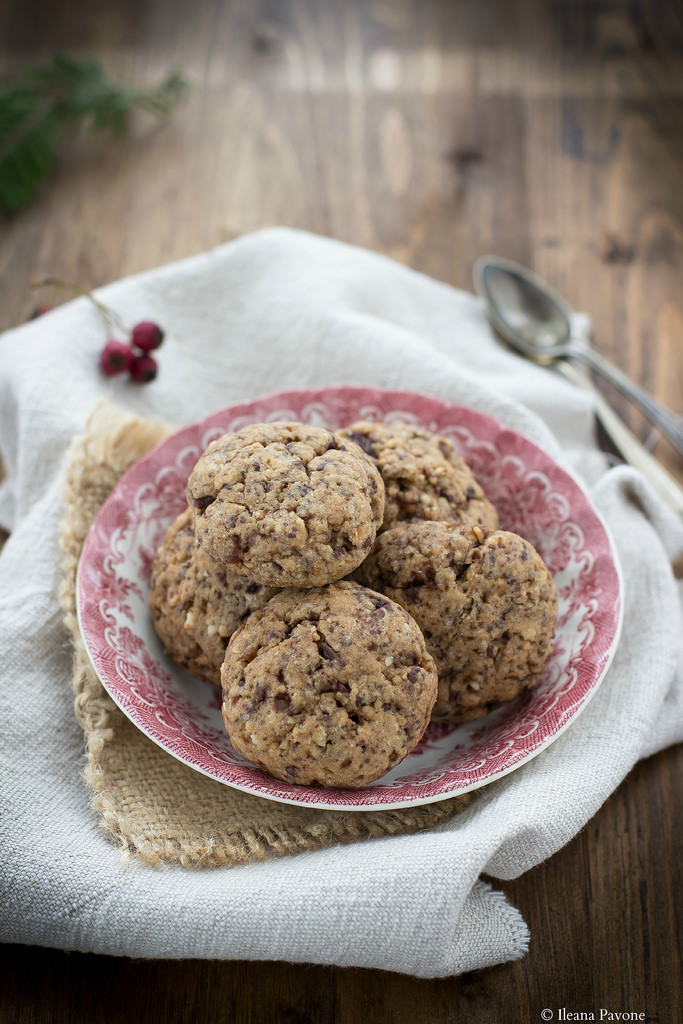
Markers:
274,310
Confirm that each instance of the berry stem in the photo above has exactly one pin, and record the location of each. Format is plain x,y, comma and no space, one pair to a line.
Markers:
108,315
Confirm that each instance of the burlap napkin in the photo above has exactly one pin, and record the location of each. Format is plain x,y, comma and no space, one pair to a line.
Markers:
147,800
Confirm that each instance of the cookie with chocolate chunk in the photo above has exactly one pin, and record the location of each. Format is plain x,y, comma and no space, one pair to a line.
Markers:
485,601
196,603
424,476
286,504
331,686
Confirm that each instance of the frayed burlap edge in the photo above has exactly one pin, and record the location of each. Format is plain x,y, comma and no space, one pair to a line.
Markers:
148,802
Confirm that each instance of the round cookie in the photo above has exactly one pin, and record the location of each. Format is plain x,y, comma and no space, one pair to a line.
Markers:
330,686
485,601
286,504
196,603
424,476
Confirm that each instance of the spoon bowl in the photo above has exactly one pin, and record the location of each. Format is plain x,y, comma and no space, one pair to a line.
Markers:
528,314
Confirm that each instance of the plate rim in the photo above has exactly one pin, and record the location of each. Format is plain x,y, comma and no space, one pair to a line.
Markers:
378,805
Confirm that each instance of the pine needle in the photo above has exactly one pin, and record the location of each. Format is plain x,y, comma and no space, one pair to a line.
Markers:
38,108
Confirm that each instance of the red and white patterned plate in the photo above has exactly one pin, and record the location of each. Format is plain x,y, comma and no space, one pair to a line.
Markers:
535,498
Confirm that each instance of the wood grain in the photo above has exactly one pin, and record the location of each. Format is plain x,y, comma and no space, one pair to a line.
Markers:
548,131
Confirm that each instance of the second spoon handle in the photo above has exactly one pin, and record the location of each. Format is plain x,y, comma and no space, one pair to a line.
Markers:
628,444
665,421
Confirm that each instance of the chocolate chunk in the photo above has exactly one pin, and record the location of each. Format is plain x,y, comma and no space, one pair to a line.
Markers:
327,652
363,441
204,501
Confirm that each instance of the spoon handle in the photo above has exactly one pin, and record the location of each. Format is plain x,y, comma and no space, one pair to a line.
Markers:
635,453
665,421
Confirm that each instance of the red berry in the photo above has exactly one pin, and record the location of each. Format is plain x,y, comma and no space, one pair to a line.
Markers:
116,356
39,311
147,336
143,369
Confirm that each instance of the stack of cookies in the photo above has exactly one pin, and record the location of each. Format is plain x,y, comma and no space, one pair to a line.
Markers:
345,588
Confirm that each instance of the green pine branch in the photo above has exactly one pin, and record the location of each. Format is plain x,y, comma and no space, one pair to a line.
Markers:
37,109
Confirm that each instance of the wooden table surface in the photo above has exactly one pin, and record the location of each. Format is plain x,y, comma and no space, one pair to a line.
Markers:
548,131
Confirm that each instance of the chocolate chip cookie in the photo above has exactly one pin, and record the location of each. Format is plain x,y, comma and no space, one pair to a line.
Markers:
286,504
424,476
485,602
196,603
330,686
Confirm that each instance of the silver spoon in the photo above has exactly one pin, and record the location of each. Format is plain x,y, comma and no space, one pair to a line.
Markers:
536,321
624,440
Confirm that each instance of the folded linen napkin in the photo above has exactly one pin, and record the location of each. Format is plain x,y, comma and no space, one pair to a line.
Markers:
274,310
